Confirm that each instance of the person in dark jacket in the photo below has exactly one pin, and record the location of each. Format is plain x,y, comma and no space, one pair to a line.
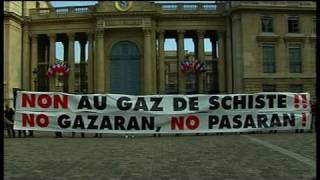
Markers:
8,125
9,114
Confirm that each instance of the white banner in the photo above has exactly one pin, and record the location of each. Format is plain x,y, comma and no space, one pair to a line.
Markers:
117,113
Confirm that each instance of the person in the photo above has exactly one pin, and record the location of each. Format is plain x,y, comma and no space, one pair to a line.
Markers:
157,134
58,134
273,131
98,134
22,132
73,135
128,136
9,126
8,114
30,133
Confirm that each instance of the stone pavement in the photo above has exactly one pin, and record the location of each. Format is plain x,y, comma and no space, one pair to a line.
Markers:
252,156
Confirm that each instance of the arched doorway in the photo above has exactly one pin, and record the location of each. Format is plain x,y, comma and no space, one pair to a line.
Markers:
125,68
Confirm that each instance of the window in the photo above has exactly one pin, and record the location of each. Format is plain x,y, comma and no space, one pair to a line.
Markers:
268,57
269,88
296,88
293,24
295,59
267,24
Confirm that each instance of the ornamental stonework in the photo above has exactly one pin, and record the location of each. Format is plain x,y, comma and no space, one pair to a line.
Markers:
121,22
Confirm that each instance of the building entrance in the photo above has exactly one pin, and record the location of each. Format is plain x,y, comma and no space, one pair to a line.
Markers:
125,68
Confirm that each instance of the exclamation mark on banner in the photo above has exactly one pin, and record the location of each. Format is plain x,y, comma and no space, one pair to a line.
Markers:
296,101
304,119
304,101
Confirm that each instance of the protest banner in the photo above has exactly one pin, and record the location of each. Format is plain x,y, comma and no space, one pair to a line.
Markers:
117,113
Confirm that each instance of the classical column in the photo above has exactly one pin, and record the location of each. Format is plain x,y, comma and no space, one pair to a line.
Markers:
65,59
147,62
161,62
201,57
26,61
83,72
90,64
65,49
71,79
83,43
221,63
229,58
181,82
99,63
237,53
154,62
34,61
214,66
195,42
213,40
200,37
52,60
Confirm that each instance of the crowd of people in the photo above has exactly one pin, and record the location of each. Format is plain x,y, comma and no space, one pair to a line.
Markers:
8,120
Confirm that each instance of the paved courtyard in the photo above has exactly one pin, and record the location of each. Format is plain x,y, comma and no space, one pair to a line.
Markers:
248,156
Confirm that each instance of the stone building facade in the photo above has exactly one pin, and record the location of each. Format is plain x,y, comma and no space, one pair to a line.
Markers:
256,46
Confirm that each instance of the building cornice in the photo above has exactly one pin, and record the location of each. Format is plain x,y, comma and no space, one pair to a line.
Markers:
12,15
276,76
294,38
65,20
267,37
154,15
274,9
313,37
